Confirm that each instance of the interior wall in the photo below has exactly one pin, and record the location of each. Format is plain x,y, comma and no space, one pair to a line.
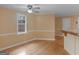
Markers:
39,26
74,23
58,26
31,22
8,33
45,26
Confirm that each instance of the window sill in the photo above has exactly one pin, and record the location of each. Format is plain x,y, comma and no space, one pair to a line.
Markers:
20,33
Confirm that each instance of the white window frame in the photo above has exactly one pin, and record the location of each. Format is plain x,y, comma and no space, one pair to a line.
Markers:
18,18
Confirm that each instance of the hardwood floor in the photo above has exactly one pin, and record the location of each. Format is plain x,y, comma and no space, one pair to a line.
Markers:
40,47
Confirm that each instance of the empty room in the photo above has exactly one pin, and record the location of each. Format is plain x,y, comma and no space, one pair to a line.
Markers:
39,29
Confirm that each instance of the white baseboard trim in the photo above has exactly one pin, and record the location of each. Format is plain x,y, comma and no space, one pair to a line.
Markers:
41,31
50,39
7,34
17,44
58,35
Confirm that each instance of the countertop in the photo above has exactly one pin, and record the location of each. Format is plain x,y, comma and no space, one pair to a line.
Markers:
70,32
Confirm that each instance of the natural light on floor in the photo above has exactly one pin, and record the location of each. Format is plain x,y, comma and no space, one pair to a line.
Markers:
22,53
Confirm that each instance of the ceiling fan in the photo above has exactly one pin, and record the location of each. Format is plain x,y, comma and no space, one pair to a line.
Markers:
33,8
30,8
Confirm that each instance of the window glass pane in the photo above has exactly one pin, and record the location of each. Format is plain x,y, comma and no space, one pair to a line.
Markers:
21,28
21,21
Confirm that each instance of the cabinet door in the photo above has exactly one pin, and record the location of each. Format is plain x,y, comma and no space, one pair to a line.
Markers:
69,44
77,45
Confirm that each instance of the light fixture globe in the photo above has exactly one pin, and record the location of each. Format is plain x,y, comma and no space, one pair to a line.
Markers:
29,11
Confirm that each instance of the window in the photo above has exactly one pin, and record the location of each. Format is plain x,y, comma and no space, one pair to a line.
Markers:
21,24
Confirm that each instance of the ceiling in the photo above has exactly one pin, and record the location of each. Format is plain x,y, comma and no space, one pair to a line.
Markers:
57,9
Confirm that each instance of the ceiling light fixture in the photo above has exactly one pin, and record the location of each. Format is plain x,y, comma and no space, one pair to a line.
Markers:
33,8
29,11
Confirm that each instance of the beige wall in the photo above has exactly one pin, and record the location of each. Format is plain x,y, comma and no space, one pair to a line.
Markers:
39,26
7,20
73,20
74,23
8,25
31,22
45,26
58,26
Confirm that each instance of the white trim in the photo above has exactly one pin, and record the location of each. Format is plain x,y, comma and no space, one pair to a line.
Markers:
4,48
20,33
59,35
6,34
41,31
50,39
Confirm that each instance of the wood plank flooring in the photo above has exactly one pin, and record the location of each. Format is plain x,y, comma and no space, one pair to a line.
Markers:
40,47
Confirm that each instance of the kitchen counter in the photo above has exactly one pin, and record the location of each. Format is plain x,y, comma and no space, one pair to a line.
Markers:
71,42
69,32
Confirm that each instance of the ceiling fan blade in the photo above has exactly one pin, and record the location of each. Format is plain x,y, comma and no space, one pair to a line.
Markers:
36,8
29,6
36,11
